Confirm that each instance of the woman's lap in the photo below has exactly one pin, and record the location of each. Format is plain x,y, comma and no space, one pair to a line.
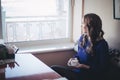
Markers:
68,72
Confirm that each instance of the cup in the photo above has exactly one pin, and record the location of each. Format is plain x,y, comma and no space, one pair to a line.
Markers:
74,62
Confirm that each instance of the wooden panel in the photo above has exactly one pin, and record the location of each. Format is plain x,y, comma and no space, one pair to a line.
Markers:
58,57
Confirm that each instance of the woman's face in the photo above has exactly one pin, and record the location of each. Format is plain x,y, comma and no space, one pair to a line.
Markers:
85,28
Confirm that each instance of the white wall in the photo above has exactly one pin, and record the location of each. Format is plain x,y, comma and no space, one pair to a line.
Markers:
111,27
77,19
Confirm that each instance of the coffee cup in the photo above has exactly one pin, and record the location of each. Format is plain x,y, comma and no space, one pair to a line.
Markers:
74,62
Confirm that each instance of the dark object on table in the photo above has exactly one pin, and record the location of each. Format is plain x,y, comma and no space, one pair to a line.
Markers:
7,51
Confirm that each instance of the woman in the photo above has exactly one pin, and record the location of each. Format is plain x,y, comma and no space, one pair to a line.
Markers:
92,53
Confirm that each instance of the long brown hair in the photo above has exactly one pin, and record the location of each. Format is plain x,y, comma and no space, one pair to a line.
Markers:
94,24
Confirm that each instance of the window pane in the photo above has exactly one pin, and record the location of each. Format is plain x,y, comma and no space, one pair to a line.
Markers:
31,20
22,8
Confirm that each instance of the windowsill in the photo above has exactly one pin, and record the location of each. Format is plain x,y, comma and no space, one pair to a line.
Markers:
46,48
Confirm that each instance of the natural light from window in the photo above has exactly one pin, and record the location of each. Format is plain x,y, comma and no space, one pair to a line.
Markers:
34,20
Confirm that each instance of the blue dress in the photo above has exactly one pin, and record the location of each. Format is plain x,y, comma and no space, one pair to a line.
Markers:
98,62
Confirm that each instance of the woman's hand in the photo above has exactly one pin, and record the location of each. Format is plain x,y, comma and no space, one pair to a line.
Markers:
76,64
82,66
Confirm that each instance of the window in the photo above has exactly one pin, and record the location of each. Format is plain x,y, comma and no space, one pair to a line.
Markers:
36,20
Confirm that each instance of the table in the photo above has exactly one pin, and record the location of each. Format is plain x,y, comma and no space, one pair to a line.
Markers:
28,67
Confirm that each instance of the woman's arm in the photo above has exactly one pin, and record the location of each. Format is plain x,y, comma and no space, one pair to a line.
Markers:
82,66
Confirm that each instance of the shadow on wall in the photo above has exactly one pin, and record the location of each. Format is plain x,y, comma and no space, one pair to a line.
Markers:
117,41
114,38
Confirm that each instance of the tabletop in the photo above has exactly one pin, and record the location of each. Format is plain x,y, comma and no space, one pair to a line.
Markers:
28,67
